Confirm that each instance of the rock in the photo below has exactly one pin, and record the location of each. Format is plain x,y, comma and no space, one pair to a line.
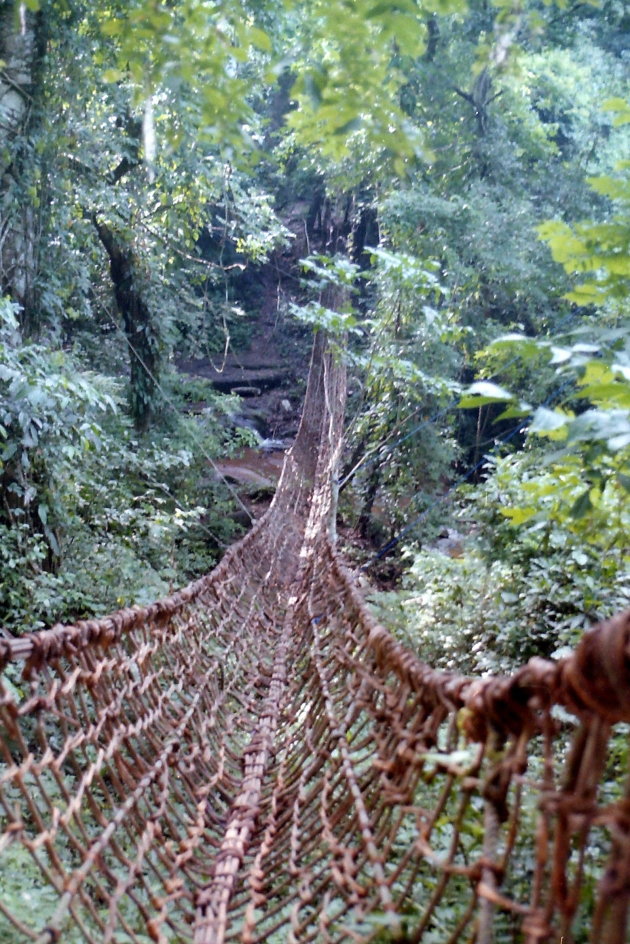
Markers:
450,542
273,445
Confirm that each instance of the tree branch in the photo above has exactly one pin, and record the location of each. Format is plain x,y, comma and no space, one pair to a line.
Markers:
465,95
123,168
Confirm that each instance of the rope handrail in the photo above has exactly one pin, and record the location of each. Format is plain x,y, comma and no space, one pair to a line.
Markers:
255,759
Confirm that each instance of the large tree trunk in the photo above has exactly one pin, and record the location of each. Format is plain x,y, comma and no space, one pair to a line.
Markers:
22,51
139,326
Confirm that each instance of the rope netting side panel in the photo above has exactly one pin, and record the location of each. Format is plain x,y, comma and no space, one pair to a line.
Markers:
126,743
121,751
405,804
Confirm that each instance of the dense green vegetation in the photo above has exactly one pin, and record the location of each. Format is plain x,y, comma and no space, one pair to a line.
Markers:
457,169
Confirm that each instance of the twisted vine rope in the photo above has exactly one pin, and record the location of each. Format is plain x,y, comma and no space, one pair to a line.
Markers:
255,759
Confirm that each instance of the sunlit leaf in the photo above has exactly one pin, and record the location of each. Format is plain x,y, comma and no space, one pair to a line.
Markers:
482,392
518,515
547,421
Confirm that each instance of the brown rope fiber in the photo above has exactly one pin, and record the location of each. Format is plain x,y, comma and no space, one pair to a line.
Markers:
254,759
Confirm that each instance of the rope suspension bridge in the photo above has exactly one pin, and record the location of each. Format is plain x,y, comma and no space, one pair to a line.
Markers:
254,759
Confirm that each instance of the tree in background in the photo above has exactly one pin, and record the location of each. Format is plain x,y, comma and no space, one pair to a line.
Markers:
23,42
511,107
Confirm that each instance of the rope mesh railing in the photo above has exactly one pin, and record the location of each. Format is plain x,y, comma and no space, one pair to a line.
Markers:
255,759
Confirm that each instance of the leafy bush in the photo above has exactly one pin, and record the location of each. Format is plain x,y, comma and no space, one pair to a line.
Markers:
528,583
94,518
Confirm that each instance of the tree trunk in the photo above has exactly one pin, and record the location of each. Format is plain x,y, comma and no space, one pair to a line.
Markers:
139,326
364,524
433,37
22,51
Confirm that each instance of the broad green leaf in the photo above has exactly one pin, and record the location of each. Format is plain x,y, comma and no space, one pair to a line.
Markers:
113,75
613,187
560,355
514,412
518,515
113,27
525,346
260,38
586,348
612,394
482,392
622,108
589,293
546,421
582,505
616,443
612,426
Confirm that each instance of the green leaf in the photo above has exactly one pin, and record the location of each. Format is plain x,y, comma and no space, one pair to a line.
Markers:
113,75
518,515
560,355
615,443
624,481
483,392
621,107
548,421
113,27
589,293
260,39
525,346
515,412
351,125
583,505
397,6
